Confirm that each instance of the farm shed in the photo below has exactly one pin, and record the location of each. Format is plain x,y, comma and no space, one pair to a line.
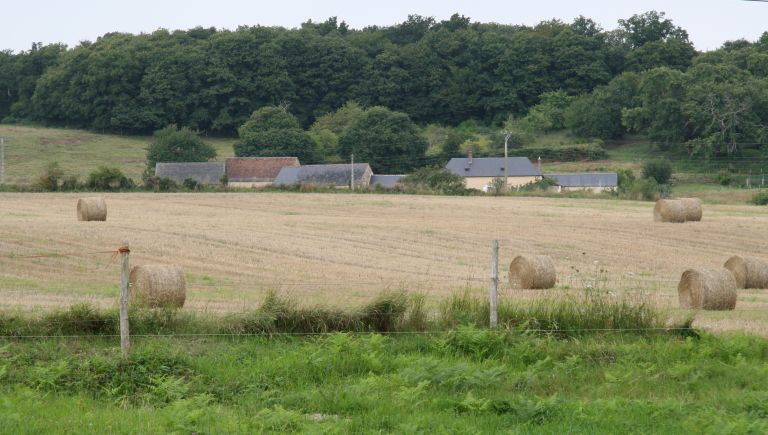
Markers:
325,175
387,181
203,173
256,171
592,181
480,172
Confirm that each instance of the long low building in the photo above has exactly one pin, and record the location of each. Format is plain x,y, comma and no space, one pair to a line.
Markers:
592,181
203,173
337,175
256,171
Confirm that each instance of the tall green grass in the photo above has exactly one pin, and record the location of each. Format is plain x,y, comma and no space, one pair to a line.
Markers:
590,311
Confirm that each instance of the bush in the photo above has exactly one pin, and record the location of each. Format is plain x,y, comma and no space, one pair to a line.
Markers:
659,170
52,177
172,144
724,178
434,180
109,179
159,184
760,198
542,184
191,184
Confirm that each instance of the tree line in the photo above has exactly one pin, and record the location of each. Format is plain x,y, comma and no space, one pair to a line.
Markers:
435,71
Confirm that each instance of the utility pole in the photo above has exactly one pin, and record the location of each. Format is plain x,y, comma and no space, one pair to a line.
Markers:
507,135
352,172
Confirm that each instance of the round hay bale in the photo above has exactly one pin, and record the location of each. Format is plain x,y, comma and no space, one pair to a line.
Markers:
669,210
693,210
91,209
532,272
157,286
708,289
749,272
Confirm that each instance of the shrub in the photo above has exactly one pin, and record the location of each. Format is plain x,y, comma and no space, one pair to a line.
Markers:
172,144
542,184
760,198
159,184
659,170
108,178
724,178
51,178
434,180
191,184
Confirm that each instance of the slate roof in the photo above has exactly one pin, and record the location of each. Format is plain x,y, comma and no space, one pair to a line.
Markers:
204,173
387,181
492,167
587,179
329,175
245,169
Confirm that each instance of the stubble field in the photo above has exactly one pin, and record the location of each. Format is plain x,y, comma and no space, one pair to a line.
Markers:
341,249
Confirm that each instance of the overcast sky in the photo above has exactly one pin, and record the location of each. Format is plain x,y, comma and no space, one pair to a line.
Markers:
709,22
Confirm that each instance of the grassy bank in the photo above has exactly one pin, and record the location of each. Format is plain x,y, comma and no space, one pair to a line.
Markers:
467,380
552,367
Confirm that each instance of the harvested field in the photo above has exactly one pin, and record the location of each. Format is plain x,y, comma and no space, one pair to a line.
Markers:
343,249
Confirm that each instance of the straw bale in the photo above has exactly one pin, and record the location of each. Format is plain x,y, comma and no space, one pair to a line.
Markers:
708,289
157,286
91,209
669,210
693,209
532,272
749,272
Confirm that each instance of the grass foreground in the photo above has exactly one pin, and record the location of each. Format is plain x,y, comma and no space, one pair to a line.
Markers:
467,380
600,364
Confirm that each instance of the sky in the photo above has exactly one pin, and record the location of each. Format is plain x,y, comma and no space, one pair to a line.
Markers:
708,22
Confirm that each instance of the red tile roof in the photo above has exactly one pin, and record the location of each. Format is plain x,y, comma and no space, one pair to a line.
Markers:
257,168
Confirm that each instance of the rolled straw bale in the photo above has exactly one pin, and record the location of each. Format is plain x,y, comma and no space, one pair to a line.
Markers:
693,209
708,289
532,272
749,272
669,210
91,209
157,286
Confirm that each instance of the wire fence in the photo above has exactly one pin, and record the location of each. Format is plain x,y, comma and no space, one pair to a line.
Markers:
96,267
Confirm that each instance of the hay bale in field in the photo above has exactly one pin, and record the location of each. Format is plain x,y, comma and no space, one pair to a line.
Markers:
749,272
669,210
708,289
693,210
157,286
532,272
91,209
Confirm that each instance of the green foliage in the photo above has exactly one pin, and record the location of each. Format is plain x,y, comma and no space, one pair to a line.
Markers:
759,198
107,178
434,179
549,114
387,140
568,153
658,170
273,132
598,115
172,144
52,178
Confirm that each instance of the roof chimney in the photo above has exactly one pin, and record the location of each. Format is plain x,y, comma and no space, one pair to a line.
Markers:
469,156
539,164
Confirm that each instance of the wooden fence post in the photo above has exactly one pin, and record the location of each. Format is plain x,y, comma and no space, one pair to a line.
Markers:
125,341
494,282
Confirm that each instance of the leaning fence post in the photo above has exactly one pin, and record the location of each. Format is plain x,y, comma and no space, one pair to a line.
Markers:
125,341
494,282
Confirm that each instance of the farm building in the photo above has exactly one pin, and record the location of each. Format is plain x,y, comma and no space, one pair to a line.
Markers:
203,173
256,171
337,175
592,181
386,181
480,172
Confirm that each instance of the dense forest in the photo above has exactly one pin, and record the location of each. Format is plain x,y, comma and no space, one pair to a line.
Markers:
643,77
